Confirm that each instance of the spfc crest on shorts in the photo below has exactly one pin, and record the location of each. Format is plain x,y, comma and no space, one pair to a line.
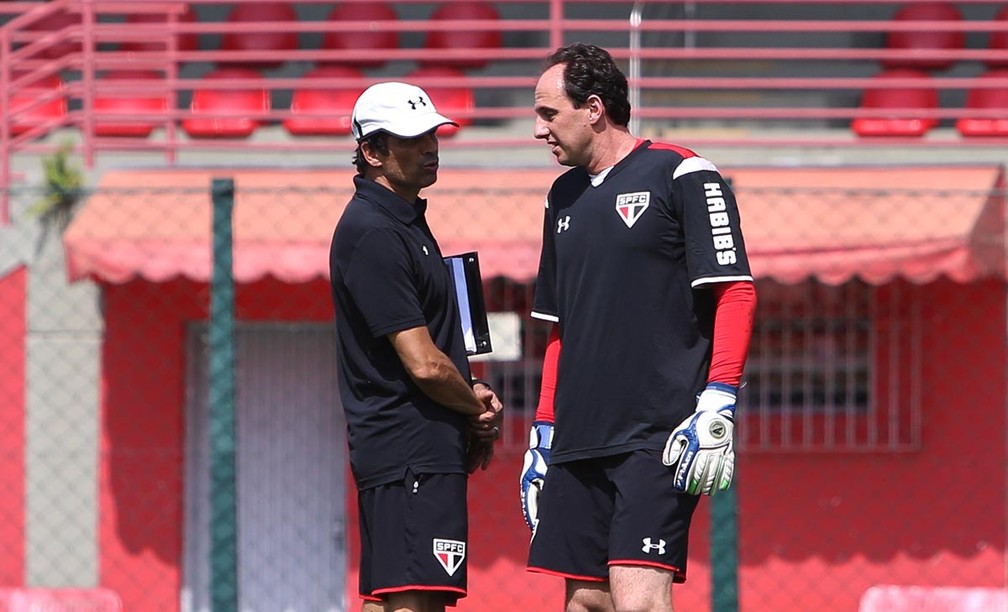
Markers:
631,206
450,554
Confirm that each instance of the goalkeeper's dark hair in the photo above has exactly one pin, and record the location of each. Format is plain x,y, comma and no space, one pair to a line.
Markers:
377,141
590,70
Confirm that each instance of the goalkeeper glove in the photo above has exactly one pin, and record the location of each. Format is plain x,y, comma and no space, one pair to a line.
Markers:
534,469
700,450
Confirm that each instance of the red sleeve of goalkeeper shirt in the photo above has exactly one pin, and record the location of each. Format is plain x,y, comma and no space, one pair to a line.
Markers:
544,411
733,323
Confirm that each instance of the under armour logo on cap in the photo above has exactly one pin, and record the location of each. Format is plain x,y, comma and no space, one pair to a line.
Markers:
400,109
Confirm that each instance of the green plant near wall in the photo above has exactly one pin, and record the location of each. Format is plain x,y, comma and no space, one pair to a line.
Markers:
62,187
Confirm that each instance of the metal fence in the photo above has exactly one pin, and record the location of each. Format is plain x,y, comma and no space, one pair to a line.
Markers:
872,462
171,81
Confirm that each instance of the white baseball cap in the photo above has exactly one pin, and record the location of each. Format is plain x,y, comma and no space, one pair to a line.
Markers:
400,109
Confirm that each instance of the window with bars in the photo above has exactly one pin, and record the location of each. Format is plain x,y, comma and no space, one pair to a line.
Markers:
832,368
811,349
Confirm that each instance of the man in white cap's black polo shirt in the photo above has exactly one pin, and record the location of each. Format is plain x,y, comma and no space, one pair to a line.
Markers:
417,423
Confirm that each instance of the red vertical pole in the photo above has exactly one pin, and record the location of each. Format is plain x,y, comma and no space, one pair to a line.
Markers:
556,23
88,39
171,74
5,171
13,334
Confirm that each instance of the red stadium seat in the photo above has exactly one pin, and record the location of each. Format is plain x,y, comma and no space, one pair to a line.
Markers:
57,22
324,111
924,43
113,110
900,122
455,102
365,37
264,39
465,40
185,41
232,113
999,40
27,109
990,99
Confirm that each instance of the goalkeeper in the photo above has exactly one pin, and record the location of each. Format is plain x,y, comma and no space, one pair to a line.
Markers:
643,272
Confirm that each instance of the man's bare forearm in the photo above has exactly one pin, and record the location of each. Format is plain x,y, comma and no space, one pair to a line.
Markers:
442,382
434,372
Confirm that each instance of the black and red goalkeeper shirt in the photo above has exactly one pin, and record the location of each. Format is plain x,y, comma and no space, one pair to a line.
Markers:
626,264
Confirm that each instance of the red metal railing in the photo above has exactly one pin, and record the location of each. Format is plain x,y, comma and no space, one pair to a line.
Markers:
760,81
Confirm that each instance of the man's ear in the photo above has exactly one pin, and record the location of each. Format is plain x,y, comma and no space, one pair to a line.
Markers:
371,155
596,109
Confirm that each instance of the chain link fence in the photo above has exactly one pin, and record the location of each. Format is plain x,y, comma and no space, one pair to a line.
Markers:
871,470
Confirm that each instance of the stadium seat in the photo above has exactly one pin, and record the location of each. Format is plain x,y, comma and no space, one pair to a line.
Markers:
26,111
323,111
455,102
265,41
464,40
999,40
363,38
185,41
54,23
987,98
112,109
924,43
228,113
900,122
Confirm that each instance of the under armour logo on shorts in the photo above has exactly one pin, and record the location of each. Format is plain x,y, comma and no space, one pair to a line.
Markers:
648,546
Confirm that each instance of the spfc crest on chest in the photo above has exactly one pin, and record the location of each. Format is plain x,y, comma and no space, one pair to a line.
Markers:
630,206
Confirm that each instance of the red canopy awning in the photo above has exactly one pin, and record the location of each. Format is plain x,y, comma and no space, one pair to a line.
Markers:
876,224
832,224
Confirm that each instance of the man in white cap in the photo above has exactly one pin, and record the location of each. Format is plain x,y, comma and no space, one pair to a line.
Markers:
417,423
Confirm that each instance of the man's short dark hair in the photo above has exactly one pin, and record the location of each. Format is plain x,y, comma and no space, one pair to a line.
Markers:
590,70
379,142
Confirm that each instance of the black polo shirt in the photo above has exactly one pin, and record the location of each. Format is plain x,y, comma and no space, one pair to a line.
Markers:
387,274
624,271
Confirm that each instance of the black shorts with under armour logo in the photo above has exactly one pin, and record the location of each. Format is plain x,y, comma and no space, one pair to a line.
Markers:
414,536
585,526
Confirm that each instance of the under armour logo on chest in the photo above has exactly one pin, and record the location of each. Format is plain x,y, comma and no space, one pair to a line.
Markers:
414,103
563,224
649,546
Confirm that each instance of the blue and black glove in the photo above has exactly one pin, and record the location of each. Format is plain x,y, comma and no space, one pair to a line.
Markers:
534,469
700,450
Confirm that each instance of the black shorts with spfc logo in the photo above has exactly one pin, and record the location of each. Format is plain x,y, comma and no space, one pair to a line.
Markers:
606,511
414,536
